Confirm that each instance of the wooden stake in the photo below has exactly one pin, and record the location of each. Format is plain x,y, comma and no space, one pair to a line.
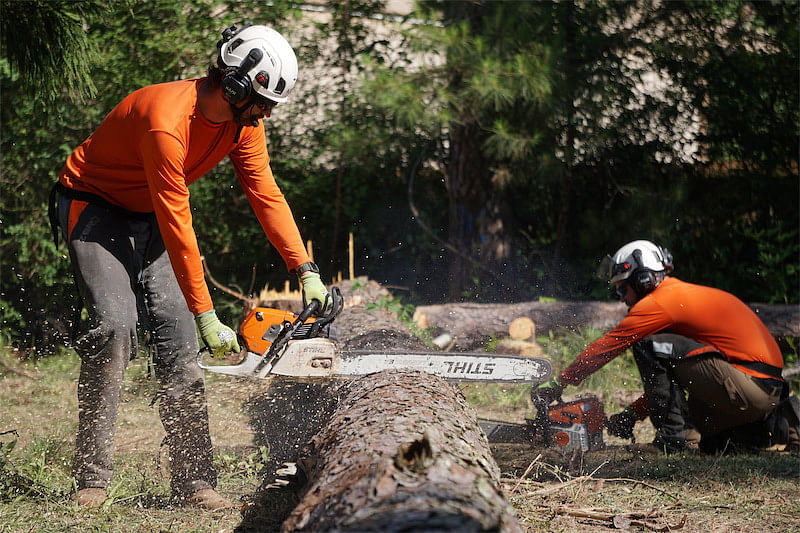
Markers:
352,268
310,249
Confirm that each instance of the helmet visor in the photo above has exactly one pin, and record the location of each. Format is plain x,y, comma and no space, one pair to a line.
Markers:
604,269
611,271
264,104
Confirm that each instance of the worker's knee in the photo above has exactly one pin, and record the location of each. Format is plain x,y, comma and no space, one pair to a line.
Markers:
110,339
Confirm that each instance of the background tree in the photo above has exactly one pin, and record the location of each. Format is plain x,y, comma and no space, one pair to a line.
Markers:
613,146
489,151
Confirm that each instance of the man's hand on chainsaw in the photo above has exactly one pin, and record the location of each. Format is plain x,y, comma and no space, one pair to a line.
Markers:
621,424
314,289
219,338
548,392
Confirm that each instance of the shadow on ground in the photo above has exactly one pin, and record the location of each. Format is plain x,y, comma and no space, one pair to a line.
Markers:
646,463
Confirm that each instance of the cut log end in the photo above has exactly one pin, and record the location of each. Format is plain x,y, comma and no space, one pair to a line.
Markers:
521,329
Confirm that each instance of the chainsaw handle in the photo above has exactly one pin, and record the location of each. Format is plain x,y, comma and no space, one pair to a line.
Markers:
312,307
336,306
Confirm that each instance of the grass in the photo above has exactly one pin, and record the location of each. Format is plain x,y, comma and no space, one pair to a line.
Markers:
550,491
36,457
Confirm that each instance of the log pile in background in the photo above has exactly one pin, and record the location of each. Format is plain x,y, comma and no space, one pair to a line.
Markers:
521,339
472,324
402,452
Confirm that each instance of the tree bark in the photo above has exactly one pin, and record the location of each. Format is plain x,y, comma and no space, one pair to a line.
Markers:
472,324
402,452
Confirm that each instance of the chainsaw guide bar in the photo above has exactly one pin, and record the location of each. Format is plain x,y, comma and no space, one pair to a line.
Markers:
282,343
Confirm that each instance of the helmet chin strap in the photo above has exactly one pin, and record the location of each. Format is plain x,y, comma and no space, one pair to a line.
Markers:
239,111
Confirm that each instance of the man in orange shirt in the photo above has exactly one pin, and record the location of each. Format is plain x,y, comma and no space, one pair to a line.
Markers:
688,338
122,202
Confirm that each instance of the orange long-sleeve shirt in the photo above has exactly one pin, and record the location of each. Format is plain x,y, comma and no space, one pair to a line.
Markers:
710,316
152,146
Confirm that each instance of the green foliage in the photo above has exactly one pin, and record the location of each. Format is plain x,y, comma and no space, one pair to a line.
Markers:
242,467
404,312
46,45
523,125
497,396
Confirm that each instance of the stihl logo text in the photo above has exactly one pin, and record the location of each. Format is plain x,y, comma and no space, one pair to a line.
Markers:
464,367
315,349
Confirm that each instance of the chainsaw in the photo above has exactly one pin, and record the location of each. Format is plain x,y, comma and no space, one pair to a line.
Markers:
283,343
571,426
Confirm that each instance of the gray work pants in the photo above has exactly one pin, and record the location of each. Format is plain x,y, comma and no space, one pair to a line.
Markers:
123,273
720,396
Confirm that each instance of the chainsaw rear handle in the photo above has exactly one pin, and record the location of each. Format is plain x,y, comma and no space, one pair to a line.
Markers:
335,308
287,333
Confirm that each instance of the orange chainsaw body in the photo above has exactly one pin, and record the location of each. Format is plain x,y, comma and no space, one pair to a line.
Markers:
257,326
578,424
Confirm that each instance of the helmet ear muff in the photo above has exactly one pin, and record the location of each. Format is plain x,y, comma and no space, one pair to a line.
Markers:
236,85
644,282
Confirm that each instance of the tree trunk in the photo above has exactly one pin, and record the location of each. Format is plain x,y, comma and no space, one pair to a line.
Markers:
472,325
402,452
467,190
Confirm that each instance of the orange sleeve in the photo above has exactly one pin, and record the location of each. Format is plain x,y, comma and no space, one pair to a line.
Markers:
643,319
163,160
251,161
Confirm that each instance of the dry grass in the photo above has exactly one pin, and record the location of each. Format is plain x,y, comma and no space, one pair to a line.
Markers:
638,488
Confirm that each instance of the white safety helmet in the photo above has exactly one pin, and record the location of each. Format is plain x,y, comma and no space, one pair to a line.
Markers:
641,262
257,61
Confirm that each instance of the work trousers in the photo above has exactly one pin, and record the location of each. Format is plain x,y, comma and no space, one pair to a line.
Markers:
720,397
125,278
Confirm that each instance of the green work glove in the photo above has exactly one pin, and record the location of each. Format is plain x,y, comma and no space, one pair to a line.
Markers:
547,393
621,424
313,289
219,338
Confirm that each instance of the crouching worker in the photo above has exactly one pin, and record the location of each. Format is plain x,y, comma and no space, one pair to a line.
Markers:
690,340
122,203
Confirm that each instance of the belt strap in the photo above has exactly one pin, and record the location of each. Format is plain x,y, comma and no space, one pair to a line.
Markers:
764,368
83,196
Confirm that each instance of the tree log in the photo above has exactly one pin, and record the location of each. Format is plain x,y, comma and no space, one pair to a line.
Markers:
286,413
472,324
402,452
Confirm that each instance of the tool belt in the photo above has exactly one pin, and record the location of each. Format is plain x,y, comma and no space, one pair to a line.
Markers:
82,196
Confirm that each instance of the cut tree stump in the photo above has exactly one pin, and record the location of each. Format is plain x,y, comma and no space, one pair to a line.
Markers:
402,452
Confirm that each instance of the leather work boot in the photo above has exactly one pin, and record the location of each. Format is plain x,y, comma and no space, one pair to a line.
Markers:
210,500
91,497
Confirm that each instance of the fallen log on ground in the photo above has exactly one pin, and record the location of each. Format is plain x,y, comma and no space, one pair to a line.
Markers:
472,324
402,452
287,413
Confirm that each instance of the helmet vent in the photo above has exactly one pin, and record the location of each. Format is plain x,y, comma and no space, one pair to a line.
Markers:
280,86
234,44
